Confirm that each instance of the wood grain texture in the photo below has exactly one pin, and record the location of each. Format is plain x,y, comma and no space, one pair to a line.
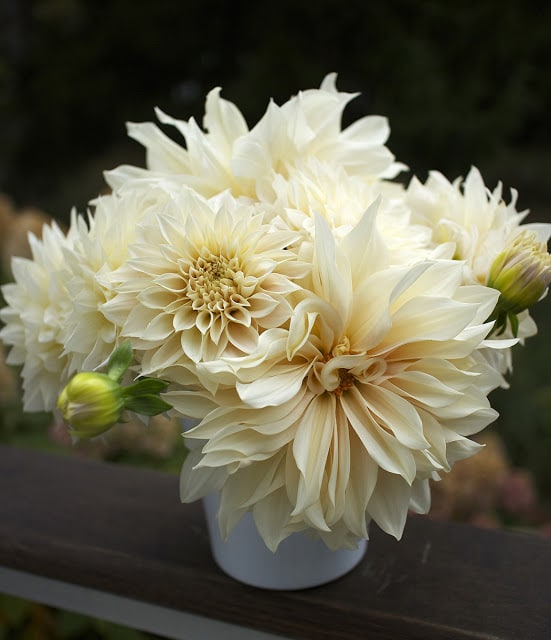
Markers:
123,530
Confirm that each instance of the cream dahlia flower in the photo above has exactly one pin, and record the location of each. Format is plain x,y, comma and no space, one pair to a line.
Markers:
479,226
474,219
315,188
204,279
53,318
345,416
38,305
100,248
229,156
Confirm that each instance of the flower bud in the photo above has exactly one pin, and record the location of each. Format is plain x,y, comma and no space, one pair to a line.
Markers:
91,403
521,272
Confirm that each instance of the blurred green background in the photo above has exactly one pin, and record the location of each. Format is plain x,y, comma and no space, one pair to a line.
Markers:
462,83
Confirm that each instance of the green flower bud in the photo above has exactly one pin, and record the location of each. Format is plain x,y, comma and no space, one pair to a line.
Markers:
91,403
521,273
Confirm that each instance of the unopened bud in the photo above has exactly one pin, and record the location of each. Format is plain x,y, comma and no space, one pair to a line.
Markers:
521,273
91,403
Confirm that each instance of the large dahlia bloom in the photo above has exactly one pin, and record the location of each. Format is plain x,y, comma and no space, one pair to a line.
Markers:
345,416
229,156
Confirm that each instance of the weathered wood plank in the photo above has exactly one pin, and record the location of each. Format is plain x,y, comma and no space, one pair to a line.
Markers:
123,530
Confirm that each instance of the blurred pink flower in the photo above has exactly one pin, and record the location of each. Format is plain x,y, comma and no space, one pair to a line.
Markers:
518,495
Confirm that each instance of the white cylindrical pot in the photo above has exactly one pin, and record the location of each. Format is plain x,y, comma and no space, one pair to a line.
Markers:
300,562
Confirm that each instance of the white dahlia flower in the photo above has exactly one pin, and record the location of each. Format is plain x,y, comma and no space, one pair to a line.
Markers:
53,318
345,416
480,227
229,156
315,188
38,305
100,248
474,219
204,278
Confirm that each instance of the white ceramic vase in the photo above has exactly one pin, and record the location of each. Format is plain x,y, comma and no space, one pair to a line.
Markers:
300,562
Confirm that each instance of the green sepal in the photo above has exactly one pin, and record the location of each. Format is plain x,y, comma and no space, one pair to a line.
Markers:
501,318
145,386
513,319
147,405
119,361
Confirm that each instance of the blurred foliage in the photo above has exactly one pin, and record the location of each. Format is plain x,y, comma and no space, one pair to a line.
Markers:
23,620
525,408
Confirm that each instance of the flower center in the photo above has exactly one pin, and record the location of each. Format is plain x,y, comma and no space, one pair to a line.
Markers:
342,369
329,374
346,381
213,281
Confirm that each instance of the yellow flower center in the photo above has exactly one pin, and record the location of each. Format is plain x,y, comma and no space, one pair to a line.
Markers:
214,282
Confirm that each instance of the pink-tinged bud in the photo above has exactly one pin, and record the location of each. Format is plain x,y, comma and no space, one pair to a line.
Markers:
521,272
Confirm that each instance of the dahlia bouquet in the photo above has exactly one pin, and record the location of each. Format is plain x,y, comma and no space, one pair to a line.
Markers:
328,335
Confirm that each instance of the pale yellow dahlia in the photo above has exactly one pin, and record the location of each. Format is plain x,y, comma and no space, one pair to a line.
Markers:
480,227
101,247
53,316
315,188
474,219
38,304
229,156
343,417
204,279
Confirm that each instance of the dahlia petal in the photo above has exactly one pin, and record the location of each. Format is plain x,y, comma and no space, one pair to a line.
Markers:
194,404
420,496
459,448
388,505
271,516
310,449
303,319
385,449
195,482
329,282
425,389
244,338
338,468
433,319
273,390
475,420
364,246
163,154
223,120
397,415
363,479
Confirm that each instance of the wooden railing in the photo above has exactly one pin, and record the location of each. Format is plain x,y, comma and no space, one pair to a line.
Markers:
115,542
